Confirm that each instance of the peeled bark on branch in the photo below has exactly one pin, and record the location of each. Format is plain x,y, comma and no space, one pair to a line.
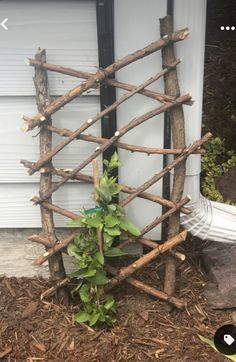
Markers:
41,240
100,75
153,245
178,303
158,220
86,178
125,272
41,259
110,82
132,148
94,119
54,289
59,246
128,190
148,289
169,167
59,210
56,267
176,116
122,131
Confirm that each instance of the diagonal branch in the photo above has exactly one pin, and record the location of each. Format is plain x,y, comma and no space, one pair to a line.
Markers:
148,289
173,164
132,148
110,82
41,259
100,75
122,131
93,120
63,244
158,220
146,259
126,189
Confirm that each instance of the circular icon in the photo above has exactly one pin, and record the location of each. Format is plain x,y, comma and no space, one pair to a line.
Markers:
225,339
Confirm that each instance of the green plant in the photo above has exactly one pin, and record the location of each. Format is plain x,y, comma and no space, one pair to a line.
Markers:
212,345
108,220
215,163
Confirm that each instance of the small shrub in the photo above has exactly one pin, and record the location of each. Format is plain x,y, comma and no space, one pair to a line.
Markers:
109,220
215,163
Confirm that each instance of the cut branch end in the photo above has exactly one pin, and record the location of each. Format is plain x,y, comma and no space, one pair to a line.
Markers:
27,61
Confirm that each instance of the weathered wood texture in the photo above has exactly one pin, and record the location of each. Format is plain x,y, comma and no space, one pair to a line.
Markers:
158,220
56,266
132,148
178,303
172,165
86,178
111,82
172,103
30,123
121,132
146,259
176,116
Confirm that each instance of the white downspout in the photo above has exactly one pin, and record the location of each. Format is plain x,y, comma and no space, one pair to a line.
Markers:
209,220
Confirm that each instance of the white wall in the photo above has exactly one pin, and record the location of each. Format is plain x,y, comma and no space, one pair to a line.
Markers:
137,25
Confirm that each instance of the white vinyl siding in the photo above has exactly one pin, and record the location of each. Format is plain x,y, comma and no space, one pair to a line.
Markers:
67,30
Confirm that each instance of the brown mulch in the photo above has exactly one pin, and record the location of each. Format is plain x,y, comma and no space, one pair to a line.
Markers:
33,330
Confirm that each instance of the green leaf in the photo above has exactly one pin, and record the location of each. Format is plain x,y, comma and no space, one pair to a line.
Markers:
114,161
100,278
109,303
75,222
72,250
100,258
77,239
104,194
111,221
76,274
106,163
89,273
113,231
83,292
112,207
212,345
82,317
110,320
129,227
95,222
114,252
115,190
94,318
107,238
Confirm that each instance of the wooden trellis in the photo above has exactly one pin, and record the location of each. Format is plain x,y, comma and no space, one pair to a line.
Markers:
172,102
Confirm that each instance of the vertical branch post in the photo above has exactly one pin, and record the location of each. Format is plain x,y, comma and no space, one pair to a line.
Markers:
176,117
56,267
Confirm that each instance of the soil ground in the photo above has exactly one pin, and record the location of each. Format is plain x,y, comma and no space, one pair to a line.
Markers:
33,330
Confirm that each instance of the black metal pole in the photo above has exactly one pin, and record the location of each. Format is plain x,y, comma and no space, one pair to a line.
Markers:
105,34
166,144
